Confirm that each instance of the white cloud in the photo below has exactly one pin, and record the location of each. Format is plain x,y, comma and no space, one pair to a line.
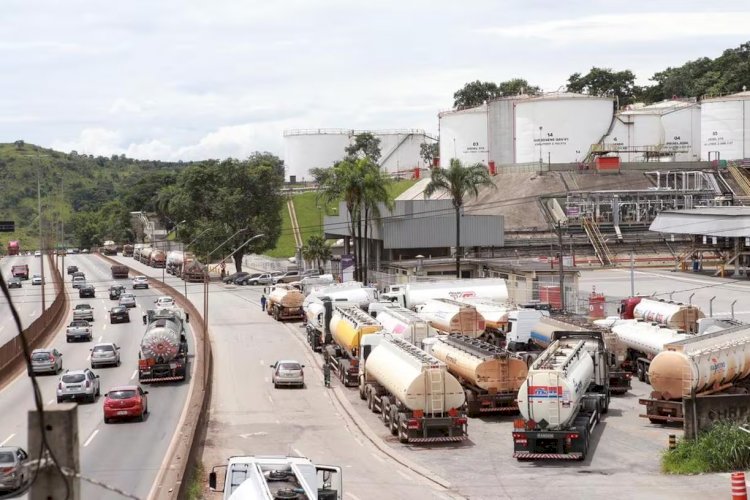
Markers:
646,27
93,141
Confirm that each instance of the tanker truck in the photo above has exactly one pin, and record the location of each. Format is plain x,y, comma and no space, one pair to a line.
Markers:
401,322
698,365
109,248
14,248
414,294
348,325
415,395
192,270
174,262
318,312
490,376
495,318
642,341
563,398
164,348
158,259
145,255
352,292
673,315
285,302
127,250
450,316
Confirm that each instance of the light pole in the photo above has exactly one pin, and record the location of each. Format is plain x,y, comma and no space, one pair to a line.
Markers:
206,288
184,251
164,241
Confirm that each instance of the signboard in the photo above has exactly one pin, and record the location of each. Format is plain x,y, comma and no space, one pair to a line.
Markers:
704,411
7,226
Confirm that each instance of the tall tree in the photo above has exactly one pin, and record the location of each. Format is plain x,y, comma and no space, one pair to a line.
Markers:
316,250
365,145
460,183
375,191
228,197
476,93
604,82
428,151
517,86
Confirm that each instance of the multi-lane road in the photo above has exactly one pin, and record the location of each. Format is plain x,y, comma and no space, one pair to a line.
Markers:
126,455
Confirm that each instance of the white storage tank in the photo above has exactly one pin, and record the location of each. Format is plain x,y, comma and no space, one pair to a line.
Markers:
321,148
725,127
463,135
559,127
669,130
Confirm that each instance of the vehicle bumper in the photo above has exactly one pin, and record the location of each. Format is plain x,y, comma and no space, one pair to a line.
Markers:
131,412
8,483
103,361
290,381
78,336
44,368
69,396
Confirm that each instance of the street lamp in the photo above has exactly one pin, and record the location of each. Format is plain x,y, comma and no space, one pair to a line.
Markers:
184,251
206,288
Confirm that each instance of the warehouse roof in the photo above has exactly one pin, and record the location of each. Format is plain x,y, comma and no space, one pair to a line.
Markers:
709,221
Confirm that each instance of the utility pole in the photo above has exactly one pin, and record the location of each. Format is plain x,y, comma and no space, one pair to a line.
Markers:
632,275
41,237
60,425
562,271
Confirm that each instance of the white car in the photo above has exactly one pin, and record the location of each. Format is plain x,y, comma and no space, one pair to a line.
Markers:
105,354
164,301
37,253
36,279
140,282
127,300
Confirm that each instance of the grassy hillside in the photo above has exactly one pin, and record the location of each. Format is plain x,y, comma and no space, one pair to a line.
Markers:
310,215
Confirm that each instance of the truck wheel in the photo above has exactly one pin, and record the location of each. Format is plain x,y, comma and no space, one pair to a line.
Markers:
606,405
654,420
639,372
393,421
402,436
369,401
362,394
646,378
276,314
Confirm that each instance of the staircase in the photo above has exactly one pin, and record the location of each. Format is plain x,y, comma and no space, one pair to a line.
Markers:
597,241
298,243
740,178
437,390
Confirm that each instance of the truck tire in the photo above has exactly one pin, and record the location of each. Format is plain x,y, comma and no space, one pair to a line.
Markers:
639,371
362,394
605,409
472,407
369,401
276,313
384,404
403,437
393,424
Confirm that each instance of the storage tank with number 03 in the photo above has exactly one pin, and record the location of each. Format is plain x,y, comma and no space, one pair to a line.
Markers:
725,127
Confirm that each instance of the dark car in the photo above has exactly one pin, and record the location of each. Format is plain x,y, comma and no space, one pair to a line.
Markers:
245,279
72,269
15,283
115,291
235,277
86,291
119,314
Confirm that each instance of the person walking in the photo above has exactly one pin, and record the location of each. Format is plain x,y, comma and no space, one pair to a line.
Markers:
263,302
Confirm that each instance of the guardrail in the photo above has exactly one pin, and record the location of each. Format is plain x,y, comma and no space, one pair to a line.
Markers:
38,332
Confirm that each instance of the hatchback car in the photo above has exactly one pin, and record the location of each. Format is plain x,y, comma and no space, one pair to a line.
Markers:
232,277
245,279
164,301
129,401
115,291
105,354
288,372
127,300
15,283
36,279
87,291
14,468
37,253
78,281
263,279
83,311
140,282
46,361
78,385
119,314
72,269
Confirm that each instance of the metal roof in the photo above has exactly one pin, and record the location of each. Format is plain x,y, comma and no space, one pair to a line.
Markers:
709,221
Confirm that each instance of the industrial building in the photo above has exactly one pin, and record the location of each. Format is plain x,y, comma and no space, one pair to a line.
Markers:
305,150
725,127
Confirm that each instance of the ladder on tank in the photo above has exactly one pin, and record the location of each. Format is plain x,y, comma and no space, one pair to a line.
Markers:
437,390
597,241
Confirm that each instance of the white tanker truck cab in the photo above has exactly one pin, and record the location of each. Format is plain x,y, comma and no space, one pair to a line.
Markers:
273,477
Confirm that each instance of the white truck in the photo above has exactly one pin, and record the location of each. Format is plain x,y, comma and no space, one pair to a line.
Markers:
276,478
563,398
450,316
411,295
415,395
401,322
350,291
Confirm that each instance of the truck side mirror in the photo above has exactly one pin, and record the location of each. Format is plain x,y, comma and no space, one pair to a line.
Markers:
212,480
187,317
144,319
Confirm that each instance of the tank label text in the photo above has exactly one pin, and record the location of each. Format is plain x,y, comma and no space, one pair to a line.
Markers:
545,392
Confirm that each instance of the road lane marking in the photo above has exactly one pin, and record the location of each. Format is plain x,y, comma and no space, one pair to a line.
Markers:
91,438
8,439
33,313
51,401
378,458
270,399
100,338
404,475
299,453
134,374
261,362
352,496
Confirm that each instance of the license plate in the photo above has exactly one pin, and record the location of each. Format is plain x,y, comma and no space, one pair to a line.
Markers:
545,436
122,412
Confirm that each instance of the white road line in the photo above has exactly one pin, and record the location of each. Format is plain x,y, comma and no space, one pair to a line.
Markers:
100,338
134,374
8,439
88,358
51,401
104,326
91,438
404,475
299,453
352,495
378,458
270,399
33,313
261,362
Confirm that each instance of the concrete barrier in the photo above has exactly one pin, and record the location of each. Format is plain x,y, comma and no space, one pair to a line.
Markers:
37,333
704,411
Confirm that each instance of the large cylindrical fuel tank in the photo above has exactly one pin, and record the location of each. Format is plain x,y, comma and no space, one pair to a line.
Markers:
648,338
158,258
701,363
161,341
557,381
542,330
670,314
145,254
286,296
495,314
349,324
404,323
362,296
481,364
449,316
416,379
174,258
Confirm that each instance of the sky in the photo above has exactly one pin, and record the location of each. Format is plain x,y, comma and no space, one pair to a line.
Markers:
191,80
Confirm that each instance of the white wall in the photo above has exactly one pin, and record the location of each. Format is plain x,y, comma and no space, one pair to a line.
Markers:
725,128
463,135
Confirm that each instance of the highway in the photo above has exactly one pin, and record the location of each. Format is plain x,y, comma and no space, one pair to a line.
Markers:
249,416
126,455
28,299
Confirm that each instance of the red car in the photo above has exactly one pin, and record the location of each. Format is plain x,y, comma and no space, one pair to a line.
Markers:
127,401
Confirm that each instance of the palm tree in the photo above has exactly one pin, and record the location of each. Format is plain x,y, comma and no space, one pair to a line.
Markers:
316,250
375,190
459,182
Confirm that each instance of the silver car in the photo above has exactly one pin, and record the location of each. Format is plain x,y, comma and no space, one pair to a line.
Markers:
127,300
288,372
36,279
78,281
46,361
105,354
84,312
78,384
14,468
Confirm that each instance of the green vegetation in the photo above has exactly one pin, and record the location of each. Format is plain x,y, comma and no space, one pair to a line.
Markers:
285,244
196,486
723,448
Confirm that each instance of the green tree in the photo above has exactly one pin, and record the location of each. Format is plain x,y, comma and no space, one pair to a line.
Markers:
428,151
224,198
476,93
459,182
316,250
365,145
517,86
604,82
375,191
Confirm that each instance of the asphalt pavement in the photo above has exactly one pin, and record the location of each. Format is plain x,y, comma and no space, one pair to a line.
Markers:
126,455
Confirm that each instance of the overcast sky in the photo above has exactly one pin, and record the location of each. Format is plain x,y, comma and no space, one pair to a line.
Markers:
178,79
